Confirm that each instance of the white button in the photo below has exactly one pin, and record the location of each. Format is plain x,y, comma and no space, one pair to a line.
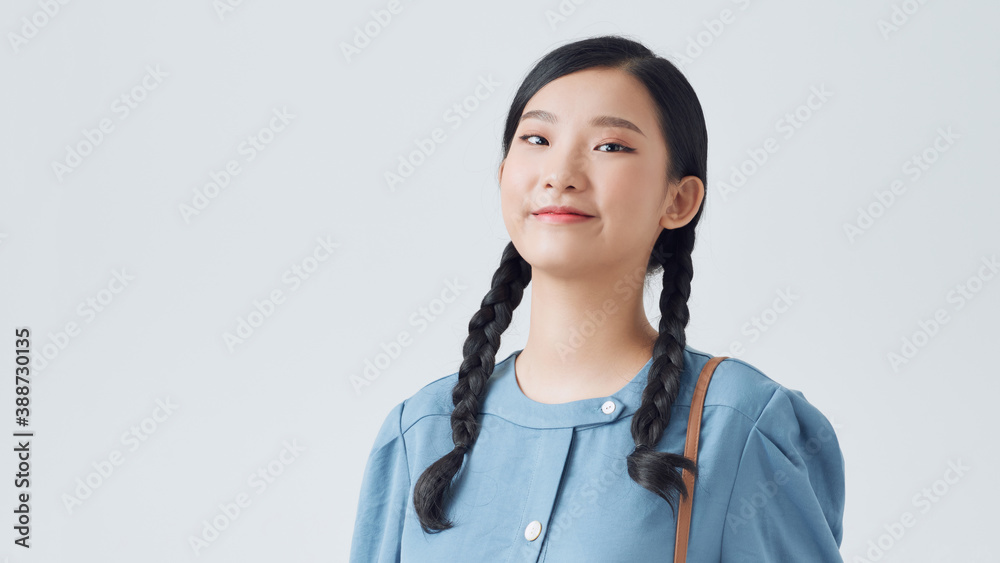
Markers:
608,407
532,531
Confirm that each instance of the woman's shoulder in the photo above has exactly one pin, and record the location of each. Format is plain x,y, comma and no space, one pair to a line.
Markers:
742,387
430,400
433,399
782,457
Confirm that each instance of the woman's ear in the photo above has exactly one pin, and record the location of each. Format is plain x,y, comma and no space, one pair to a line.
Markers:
500,171
685,198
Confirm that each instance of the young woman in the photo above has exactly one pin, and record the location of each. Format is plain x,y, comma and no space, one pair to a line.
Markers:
570,449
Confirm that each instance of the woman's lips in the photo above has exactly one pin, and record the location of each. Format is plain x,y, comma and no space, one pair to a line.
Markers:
561,217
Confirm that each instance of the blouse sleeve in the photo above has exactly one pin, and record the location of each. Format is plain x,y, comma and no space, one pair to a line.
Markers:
385,488
787,502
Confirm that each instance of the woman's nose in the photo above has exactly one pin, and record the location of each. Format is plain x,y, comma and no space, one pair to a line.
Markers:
565,167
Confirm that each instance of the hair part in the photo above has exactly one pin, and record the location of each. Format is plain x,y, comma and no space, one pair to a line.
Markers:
683,127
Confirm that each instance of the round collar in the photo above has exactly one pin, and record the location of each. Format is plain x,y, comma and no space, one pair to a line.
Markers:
505,399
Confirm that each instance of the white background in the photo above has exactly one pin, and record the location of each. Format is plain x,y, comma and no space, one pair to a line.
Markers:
64,236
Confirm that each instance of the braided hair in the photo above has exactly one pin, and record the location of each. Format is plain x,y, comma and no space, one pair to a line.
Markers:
683,127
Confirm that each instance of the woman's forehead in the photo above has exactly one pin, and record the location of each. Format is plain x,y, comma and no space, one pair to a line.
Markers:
601,97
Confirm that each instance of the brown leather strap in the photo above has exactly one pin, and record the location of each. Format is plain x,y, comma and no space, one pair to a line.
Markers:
691,452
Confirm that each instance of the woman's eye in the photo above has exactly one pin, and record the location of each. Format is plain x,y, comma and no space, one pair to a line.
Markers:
526,137
615,147
621,147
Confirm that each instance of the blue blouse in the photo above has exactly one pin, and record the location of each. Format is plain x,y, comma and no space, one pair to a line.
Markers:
548,482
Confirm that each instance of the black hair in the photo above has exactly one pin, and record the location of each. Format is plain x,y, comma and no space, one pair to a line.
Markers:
683,126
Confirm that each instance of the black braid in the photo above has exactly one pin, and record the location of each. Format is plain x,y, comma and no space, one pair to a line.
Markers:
479,351
660,471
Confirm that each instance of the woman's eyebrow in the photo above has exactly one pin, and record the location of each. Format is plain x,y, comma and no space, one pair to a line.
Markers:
599,121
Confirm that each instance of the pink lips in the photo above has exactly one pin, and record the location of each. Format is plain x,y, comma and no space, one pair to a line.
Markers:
561,217
561,214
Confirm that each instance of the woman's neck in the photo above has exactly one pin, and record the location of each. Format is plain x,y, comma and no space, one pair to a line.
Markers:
584,341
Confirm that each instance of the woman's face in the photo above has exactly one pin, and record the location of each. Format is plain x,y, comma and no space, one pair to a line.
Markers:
588,140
